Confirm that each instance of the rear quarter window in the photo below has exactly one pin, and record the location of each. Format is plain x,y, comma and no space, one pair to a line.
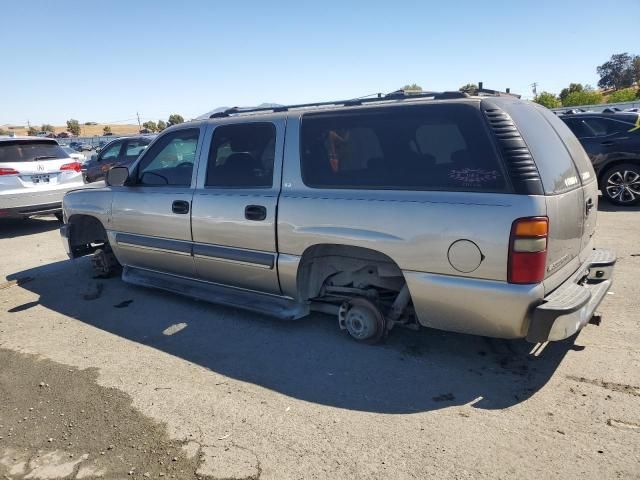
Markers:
579,156
427,147
557,170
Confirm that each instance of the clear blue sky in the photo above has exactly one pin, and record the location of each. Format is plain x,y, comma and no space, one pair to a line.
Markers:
106,60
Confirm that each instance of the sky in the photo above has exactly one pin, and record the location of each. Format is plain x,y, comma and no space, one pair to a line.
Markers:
107,61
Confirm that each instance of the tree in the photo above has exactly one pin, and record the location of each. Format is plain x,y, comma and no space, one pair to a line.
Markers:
73,126
47,128
548,100
414,87
161,125
151,126
573,87
624,95
106,129
470,88
584,97
32,131
619,72
175,119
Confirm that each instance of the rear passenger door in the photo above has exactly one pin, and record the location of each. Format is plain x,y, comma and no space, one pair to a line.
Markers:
234,205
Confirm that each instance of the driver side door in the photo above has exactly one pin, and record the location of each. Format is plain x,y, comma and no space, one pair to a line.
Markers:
151,216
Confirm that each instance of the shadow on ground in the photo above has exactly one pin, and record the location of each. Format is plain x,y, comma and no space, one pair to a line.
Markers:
309,359
604,206
10,227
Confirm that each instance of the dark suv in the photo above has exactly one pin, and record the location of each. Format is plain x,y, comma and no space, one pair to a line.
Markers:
119,152
612,141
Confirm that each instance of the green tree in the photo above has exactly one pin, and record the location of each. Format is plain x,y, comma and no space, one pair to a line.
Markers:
151,126
47,128
624,95
175,119
584,97
73,126
414,87
32,131
161,125
573,87
548,100
619,72
4,132
470,88
106,129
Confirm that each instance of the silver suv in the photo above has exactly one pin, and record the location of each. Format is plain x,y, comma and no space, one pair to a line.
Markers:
35,173
468,214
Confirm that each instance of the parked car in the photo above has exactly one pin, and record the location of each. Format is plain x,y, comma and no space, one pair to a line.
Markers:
468,214
612,141
74,145
84,147
35,173
73,154
123,152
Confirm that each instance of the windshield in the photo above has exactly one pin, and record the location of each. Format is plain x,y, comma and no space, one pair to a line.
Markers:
29,151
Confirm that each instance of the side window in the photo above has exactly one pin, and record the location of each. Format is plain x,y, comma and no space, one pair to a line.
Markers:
434,147
242,155
170,160
112,152
134,149
577,127
600,127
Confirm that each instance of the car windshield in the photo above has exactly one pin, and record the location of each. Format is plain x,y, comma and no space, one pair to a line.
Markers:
29,151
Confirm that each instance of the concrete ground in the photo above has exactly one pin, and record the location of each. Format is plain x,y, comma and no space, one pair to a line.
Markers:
230,394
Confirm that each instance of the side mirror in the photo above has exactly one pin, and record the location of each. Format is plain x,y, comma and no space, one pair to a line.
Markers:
117,176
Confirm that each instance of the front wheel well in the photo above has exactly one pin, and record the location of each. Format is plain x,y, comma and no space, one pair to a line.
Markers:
87,234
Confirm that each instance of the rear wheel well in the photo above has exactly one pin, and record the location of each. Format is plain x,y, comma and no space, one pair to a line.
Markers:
344,265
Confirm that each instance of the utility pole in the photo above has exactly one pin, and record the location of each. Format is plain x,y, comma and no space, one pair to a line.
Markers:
139,126
534,88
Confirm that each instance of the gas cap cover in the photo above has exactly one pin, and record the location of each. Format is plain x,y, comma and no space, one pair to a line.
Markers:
465,256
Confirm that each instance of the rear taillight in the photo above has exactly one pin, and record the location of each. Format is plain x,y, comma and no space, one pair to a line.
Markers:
75,166
8,171
528,250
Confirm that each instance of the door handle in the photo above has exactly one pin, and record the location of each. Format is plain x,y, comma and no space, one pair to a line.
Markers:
255,212
180,206
589,205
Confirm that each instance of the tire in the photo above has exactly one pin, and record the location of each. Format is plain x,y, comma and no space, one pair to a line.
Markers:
104,263
620,184
364,321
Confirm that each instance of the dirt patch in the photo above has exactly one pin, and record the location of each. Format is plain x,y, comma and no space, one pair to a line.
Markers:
57,422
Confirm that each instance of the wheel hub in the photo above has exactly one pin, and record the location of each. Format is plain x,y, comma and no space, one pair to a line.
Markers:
624,186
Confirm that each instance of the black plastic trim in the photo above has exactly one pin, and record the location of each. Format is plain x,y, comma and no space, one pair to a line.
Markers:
233,254
153,242
517,157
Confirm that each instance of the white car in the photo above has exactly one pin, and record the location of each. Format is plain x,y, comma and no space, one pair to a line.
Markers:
35,173
73,154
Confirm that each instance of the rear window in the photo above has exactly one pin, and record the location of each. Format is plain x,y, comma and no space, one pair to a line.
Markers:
29,151
431,147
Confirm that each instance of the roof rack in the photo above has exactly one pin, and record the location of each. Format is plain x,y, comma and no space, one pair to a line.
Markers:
379,97
488,91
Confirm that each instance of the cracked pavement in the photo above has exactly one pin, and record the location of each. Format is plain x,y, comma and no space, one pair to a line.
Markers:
237,395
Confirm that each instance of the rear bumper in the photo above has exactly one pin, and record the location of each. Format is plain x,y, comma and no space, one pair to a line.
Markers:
570,307
35,201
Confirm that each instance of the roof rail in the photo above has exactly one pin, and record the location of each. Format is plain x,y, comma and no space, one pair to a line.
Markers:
487,91
379,97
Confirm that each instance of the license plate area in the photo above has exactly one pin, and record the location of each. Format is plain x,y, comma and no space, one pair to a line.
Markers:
40,178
